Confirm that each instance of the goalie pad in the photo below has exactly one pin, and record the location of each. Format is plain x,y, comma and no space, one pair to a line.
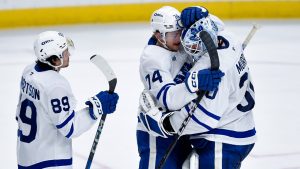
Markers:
151,117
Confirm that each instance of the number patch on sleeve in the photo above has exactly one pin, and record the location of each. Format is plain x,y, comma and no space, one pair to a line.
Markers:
59,105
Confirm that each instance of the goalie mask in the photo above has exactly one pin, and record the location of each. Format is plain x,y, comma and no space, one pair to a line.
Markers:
191,41
51,43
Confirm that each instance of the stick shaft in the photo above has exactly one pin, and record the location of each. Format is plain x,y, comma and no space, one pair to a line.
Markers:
105,68
255,27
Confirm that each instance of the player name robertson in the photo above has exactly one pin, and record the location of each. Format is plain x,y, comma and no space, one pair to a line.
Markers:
29,89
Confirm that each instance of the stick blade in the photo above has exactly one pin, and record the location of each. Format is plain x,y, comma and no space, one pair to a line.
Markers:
102,64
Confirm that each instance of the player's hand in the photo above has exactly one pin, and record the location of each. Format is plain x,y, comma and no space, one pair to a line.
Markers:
192,14
205,80
103,103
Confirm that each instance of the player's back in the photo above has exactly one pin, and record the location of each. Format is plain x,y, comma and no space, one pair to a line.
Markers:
225,114
40,144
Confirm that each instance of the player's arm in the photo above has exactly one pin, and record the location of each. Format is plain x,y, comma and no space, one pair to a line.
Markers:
71,123
205,118
207,114
175,96
156,76
169,94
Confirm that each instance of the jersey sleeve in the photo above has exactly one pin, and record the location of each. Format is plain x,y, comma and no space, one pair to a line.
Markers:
207,113
155,71
61,107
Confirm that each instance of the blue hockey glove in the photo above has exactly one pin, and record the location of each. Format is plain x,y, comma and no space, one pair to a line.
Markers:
151,117
192,14
206,80
102,103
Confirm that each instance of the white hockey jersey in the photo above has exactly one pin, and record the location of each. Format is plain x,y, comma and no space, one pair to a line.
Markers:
47,120
162,73
226,114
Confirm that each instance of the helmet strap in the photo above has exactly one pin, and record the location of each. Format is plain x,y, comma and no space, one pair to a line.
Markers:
164,43
56,68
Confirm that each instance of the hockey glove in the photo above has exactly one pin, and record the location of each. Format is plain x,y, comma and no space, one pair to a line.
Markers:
192,14
205,80
102,103
151,117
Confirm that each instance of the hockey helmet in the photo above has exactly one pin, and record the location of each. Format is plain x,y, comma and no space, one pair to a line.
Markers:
51,43
165,19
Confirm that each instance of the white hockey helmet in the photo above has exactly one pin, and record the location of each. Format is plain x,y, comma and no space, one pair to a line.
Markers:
191,41
51,43
165,19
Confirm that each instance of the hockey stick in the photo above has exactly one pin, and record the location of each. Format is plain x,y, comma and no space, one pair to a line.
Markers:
101,64
214,60
255,27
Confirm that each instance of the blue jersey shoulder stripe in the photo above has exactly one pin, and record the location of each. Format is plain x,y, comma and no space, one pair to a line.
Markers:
66,121
70,132
162,89
208,113
196,120
48,163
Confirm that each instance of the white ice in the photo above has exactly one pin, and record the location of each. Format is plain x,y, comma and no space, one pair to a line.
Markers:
273,56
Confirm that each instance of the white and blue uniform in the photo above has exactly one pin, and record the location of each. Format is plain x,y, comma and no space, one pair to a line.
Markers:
223,121
162,73
47,120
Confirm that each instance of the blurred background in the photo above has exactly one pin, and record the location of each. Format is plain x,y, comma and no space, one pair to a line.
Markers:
119,30
16,13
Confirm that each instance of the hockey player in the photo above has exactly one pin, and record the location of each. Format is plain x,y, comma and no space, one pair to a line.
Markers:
222,128
163,66
46,116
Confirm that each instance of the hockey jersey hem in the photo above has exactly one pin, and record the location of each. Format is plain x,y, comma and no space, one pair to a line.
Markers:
228,136
48,163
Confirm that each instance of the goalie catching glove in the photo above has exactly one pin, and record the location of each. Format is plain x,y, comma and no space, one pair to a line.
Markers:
102,103
152,118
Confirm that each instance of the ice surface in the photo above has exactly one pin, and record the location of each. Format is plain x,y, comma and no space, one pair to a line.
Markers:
273,57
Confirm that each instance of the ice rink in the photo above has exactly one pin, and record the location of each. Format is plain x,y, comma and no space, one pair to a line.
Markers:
273,58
